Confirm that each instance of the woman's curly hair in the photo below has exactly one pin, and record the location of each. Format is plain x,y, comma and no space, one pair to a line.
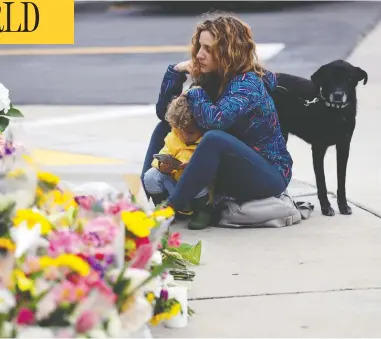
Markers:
234,50
179,114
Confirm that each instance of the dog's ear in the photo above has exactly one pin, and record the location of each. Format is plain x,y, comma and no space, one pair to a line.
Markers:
318,77
360,74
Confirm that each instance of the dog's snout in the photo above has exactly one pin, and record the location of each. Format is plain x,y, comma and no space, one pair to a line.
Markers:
338,96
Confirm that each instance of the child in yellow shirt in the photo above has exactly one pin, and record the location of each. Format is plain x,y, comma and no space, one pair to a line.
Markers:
160,180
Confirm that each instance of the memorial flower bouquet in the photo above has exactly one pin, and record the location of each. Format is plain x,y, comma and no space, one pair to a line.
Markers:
78,263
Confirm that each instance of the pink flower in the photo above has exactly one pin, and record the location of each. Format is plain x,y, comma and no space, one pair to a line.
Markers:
113,209
85,202
103,228
142,255
25,317
64,242
174,240
31,265
86,321
69,292
92,278
120,206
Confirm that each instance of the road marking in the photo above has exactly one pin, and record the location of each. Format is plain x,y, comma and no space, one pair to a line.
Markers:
125,112
94,50
265,51
269,50
58,158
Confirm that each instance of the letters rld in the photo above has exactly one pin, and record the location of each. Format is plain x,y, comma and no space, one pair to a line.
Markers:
6,17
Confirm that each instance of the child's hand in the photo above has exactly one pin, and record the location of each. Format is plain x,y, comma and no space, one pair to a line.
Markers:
183,165
166,168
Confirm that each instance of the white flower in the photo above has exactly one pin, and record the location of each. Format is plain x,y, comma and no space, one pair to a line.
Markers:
156,258
27,240
5,102
136,316
7,300
114,327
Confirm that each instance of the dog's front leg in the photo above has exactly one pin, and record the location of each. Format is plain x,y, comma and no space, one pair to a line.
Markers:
342,154
318,154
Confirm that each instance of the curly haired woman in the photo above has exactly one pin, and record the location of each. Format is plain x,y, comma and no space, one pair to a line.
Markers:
243,151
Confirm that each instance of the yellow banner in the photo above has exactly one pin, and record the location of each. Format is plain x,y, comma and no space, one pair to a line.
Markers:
37,22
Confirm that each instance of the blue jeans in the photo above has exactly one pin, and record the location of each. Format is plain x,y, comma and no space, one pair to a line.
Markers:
155,145
235,169
156,182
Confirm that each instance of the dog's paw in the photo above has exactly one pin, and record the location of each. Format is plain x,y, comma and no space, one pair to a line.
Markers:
328,211
345,209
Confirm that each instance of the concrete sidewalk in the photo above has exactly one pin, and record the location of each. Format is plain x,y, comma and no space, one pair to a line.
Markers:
321,278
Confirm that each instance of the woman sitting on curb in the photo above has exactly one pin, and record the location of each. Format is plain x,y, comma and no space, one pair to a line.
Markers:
243,150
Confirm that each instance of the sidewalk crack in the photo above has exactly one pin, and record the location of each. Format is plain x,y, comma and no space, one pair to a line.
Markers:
288,293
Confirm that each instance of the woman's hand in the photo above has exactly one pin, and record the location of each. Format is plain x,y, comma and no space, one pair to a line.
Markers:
166,168
185,66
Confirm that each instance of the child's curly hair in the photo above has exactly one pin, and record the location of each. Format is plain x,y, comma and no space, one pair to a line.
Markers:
179,114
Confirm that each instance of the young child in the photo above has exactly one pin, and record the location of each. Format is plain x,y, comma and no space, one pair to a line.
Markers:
160,180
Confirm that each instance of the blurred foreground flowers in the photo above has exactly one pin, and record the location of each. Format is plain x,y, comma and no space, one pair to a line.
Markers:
82,265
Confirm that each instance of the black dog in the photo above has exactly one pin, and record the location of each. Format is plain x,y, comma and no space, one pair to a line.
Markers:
328,119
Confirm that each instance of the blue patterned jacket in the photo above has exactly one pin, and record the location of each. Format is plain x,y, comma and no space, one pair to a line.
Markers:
244,109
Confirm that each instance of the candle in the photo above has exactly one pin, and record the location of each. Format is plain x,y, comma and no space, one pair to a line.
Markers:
180,293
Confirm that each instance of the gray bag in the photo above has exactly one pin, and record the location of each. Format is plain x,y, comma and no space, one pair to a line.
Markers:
271,212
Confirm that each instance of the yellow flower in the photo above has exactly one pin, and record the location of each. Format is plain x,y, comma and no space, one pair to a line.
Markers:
18,172
157,319
7,244
56,198
48,178
138,223
32,218
39,192
165,212
150,297
175,309
130,245
72,261
23,283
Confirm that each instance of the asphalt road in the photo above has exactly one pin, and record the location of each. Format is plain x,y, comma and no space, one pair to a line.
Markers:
313,33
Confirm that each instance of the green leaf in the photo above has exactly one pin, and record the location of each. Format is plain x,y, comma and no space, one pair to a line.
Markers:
190,253
120,287
72,214
14,113
4,122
